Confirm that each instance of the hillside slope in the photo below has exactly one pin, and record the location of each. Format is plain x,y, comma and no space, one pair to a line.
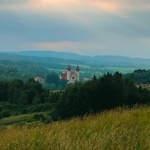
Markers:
99,59
118,129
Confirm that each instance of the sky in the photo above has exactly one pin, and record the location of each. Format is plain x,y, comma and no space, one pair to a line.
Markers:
86,27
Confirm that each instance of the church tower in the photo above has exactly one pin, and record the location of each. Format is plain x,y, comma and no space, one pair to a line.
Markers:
68,72
78,73
71,76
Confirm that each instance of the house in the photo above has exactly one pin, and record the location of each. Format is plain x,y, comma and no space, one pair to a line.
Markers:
40,80
71,76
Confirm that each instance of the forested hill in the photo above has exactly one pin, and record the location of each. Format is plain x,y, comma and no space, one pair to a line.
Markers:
33,58
106,59
51,54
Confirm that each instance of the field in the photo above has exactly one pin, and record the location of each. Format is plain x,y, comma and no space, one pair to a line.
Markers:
120,129
121,69
146,86
21,119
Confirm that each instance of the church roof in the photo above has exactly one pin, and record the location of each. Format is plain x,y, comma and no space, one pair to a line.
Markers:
64,75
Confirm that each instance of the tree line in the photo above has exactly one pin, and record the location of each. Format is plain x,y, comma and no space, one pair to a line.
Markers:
140,76
99,94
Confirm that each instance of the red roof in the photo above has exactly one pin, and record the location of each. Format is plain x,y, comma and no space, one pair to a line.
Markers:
64,75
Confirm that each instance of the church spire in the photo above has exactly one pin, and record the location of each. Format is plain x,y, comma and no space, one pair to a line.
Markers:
77,68
69,68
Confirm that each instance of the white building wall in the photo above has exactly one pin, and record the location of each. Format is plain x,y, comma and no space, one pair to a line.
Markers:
68,75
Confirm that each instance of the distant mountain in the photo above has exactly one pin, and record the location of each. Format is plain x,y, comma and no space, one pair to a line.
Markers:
121,59
63,55
32,61
37,58
101,60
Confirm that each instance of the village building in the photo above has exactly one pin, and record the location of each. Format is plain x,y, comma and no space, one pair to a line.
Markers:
71,76
40,80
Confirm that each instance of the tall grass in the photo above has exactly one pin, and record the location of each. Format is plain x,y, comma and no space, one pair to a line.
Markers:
119,129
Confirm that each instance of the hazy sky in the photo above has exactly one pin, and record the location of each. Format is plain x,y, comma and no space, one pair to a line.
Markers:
91,27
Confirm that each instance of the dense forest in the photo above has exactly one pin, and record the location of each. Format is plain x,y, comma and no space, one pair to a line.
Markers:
99,94
140,76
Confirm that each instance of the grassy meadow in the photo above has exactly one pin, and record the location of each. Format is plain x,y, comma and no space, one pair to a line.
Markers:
120,129
21,119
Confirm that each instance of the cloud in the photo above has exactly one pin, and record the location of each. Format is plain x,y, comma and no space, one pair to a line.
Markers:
80,10
113,6
145,41
83,26
116,45
70,46
58,46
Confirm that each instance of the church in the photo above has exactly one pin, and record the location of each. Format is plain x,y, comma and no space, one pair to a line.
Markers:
71,76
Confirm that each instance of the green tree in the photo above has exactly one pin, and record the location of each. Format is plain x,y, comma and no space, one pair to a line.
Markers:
52,78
